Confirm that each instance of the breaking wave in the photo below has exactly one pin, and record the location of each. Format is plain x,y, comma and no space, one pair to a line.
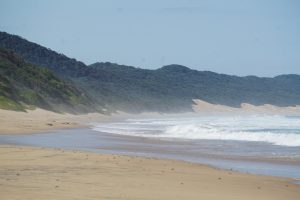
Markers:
277,130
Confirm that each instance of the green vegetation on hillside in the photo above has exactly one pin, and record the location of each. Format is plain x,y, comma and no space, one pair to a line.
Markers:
171,88
23,84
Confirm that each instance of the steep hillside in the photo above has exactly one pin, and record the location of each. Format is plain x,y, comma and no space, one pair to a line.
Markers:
23,85
42,56
171,88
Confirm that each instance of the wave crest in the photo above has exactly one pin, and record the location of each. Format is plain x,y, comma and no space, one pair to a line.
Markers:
277,130
197,132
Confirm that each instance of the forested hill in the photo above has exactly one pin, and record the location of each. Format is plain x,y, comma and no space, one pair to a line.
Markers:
171,88
40,55
23,85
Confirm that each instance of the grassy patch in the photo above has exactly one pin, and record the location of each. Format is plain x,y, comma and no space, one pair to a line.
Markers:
8,104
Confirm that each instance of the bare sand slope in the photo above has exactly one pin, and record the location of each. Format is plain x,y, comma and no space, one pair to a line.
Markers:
36,173
202,107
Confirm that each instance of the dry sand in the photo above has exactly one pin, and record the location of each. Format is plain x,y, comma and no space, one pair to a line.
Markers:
202,107
38,173
12,122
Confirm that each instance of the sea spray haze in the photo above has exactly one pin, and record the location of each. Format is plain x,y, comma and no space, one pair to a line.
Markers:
272,129
171,88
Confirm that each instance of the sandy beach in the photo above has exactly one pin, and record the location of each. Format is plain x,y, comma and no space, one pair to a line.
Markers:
41,173
39,120
38,173
149,100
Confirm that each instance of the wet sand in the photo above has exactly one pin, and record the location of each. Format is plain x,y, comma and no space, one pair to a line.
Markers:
245,157
39,173
42,173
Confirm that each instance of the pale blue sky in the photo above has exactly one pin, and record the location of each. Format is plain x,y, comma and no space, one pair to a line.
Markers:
257,37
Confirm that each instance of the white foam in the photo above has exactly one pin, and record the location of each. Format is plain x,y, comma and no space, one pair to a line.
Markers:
277,130
196,132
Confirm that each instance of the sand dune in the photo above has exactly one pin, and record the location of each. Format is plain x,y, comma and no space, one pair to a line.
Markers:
202,107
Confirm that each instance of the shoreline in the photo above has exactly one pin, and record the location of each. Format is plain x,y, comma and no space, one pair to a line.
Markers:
17,123
47,173
40,121
87,140
58,173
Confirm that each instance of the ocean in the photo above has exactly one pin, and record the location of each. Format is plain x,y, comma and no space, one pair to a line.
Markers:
268,145
277,130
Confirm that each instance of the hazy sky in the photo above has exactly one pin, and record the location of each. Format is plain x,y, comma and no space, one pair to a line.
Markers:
259,37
